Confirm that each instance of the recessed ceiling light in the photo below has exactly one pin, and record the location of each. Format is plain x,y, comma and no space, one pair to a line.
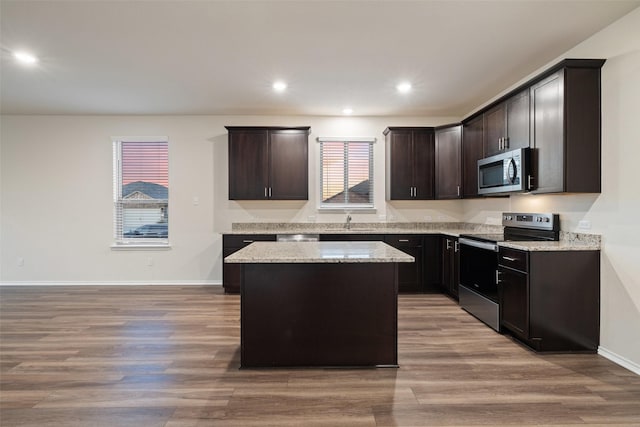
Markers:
404,87
279,86
25,58
347,110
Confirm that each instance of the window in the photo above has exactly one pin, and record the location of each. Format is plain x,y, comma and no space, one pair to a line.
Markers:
141,191
346,171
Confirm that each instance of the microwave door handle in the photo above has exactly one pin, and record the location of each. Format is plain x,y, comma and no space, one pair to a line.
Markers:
512,171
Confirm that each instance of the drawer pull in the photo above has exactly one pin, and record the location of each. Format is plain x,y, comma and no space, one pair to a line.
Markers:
403,240
508,258
247,241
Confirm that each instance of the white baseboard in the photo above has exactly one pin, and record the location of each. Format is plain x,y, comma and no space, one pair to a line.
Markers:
617,359
119,283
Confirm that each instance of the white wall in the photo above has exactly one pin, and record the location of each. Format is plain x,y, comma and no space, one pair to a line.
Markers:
615,212
56,182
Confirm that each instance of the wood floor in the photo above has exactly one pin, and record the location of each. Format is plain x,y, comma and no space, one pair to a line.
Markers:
169,356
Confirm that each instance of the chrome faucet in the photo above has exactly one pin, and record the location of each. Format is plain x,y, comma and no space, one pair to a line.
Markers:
347,225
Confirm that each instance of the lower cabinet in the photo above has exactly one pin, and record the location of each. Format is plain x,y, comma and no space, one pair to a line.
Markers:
550,300
410,275
450,261
231,243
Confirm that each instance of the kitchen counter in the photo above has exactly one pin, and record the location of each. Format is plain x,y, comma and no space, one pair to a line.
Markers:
568,241
318,252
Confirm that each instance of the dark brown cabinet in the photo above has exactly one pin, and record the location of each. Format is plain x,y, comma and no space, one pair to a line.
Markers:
550,300
450,269
410,275
449,162
268,163
565,123
409,163
231,273
472,151
506,126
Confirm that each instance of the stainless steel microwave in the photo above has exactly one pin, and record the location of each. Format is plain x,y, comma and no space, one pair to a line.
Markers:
506,172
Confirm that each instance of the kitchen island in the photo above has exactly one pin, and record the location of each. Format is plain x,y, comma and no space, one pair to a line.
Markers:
319,304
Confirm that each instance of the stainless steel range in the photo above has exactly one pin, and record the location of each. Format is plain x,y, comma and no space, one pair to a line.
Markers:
479,260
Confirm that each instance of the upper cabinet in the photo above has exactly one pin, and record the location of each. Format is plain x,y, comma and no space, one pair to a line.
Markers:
507,124
565,127
449,162
409,163
268,163
472,151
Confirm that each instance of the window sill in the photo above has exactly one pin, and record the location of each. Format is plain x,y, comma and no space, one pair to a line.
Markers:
344,209
140,247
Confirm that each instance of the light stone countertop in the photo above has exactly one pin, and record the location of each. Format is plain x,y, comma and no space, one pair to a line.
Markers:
568,241
318,252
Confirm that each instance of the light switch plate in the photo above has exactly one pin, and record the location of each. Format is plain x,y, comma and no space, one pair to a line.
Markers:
584,225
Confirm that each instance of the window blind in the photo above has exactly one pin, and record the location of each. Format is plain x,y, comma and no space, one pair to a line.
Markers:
141,191
346,169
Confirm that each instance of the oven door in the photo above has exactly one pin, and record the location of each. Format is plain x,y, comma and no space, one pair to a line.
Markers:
478,267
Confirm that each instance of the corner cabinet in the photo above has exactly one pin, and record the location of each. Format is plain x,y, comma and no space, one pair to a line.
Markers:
268,163
409,163
472,151
565,127
449,162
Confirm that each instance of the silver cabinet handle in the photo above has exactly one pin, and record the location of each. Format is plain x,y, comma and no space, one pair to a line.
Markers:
529,184
498,273
247,241
456,246
506,142
269,192
403,240
448,244
265,192
508,258
458,191
499,143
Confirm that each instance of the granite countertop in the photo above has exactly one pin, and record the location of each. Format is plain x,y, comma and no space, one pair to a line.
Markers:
568,241
318,252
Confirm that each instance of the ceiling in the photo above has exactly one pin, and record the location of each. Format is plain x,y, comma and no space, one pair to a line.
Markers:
221,57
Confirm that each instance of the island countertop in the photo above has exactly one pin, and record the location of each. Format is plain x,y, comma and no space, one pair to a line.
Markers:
318,252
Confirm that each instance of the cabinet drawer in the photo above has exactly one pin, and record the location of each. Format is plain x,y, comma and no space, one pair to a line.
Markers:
399,240
514,258
241,240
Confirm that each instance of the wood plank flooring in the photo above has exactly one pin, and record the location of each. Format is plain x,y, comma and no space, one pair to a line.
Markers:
169,356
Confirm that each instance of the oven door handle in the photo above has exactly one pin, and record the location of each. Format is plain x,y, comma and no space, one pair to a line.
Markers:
476,244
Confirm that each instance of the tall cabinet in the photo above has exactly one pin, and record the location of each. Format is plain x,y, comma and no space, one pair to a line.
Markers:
472,151
409,163
268,163
565,125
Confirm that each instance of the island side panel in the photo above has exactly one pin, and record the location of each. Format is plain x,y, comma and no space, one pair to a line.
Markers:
324,314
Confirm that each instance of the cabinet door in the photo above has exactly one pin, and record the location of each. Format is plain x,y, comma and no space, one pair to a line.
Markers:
410,276
448,163
401,167
472,151
548,134
289,165
248,165
446,267
518,119
424,160
514,297
495,128
432,267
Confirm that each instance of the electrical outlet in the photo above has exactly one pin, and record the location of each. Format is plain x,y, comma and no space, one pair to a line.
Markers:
149,261
428,218
311,218
382,217
196,200
584,225
20,261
